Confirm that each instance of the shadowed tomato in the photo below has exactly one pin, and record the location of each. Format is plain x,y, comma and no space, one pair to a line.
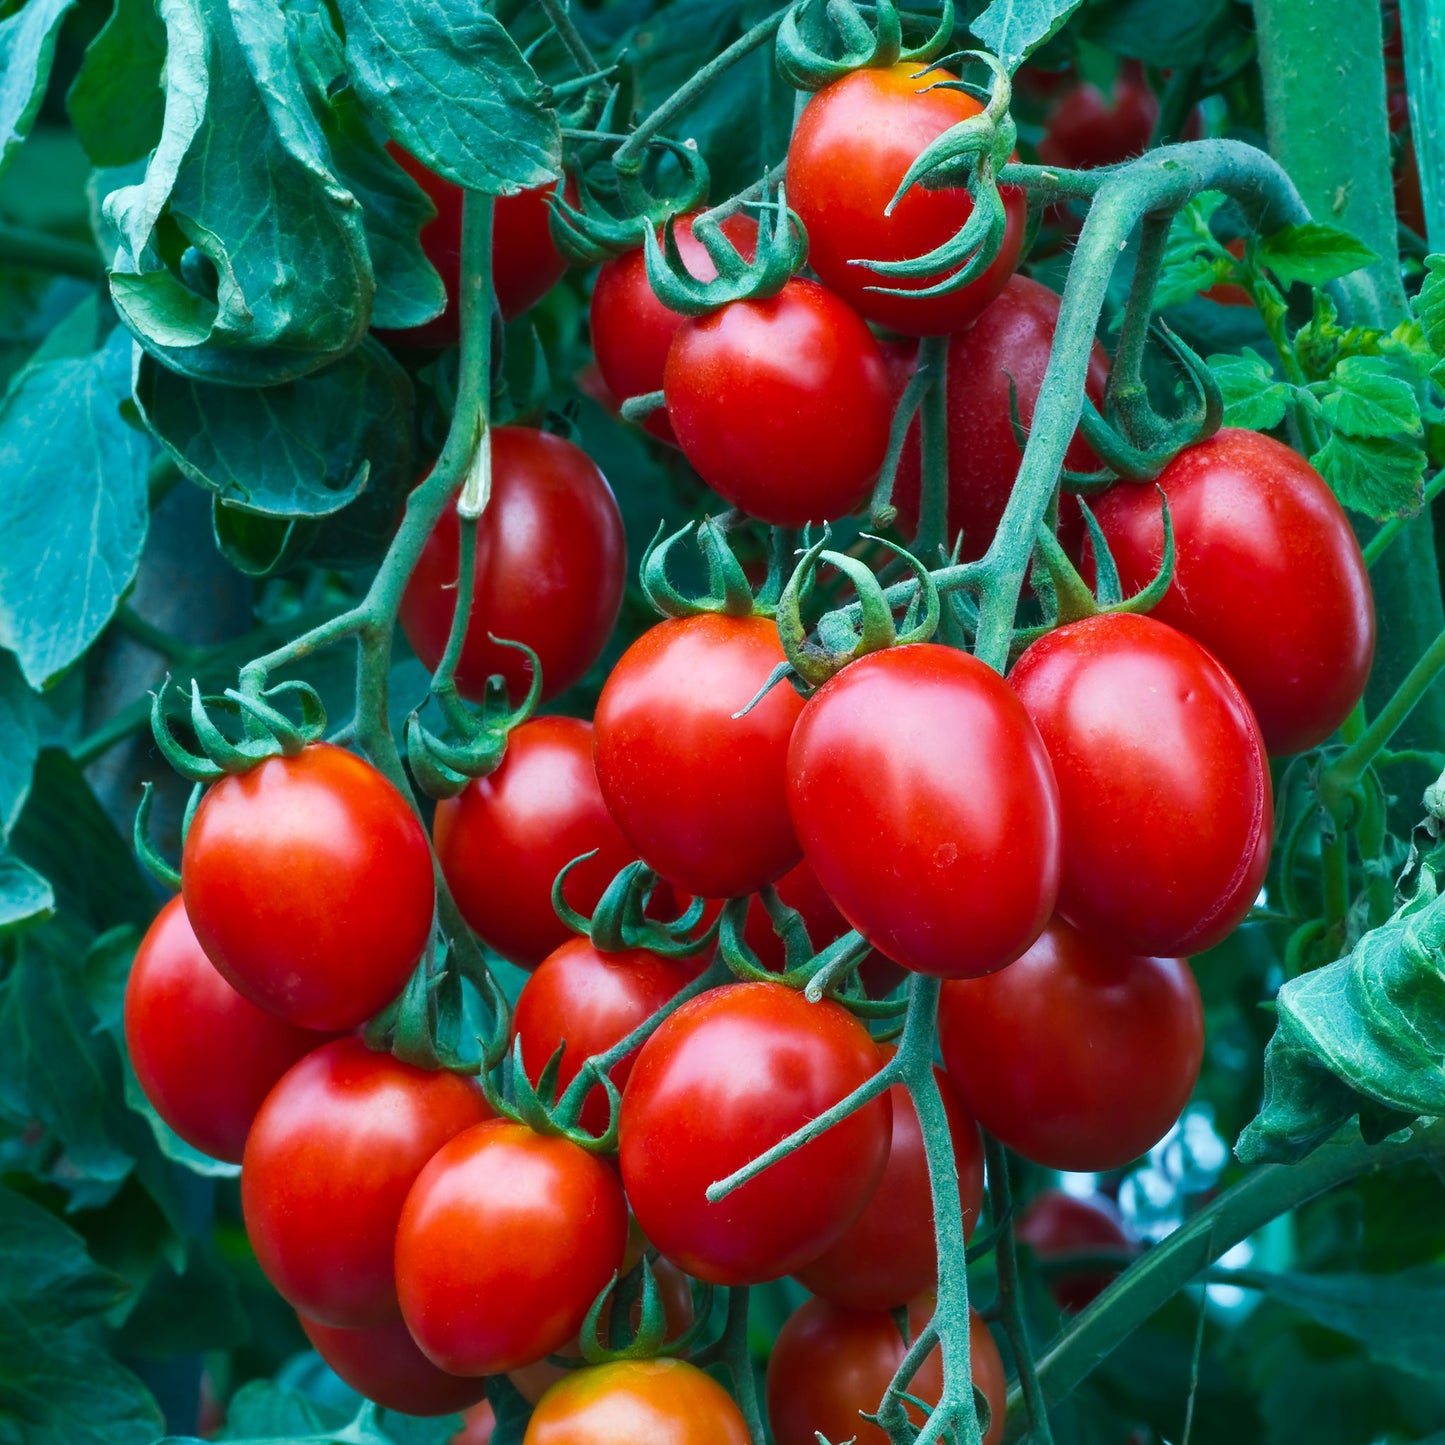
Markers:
551,564
1086,129
308,881
477,1425
850,151
1227,293
1056,1225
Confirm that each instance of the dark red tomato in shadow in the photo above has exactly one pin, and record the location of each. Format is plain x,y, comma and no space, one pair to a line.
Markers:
1056,1225
1087,129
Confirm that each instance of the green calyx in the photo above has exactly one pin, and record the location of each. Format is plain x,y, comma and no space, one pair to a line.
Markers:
729,591
620,919
617,1300
822,42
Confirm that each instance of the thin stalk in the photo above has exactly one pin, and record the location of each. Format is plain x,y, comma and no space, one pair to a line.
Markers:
932,535
559,15
40,251
1379,544
740,1363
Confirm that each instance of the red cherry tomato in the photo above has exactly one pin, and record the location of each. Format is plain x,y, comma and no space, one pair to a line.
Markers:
1226,293
205,1056
477,1425
725,1078
502,841
1056,1225
699,793
944,857
1080,1055
1163,781
852,147
329,1160
550,568
506,1239
1087,130
1257,532
308,881
830,1365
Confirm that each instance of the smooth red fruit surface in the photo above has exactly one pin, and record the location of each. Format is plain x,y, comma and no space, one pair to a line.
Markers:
1086,129
331,1156
506,1239
550,567
503,840
1056,1225
729,1075
592,1000
637,1402
1163,781
632,330
384,1364
1257,534
924,801
699,793
478,1423
781,404
205,1056
852,147
308,881
1080,1055
830,1365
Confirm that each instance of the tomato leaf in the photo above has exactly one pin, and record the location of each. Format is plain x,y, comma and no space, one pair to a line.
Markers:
1254,397
117,101
1366,398
1379,476
26,899
1161,34
1013,28
27,49
1313,253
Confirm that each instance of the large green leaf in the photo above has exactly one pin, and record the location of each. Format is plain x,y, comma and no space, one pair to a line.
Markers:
1013,28
18,742
27,49
117,101
25,897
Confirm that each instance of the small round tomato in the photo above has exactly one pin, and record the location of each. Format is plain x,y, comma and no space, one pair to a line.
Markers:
1257,533
781,404
831,1365
478,1423
1086,129
723,1079
308,881
329,1160
853,145
1056,1225
1080,1055
551,564
1163,782
944,857
698,792
506,1239
637,1402
502,841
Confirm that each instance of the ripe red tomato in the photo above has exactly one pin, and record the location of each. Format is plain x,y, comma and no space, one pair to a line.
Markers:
478,1423
852,147
632,330
551,564
944,857
699,793
328,1164
205,1056
637,1402
829,1365
506,1239
726,1077
1163,780
502,841
308,881
1257,532
1056,1225
1085,129
1080,1055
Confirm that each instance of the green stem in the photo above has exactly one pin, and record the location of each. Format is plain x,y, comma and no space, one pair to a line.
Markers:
560,16
40,251
740,1363
933,538
1379,544
180,655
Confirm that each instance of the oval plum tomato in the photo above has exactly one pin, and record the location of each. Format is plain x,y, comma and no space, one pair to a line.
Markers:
699,793
830,1365
1257,532
1086,129
889,1254
1163,782
637,1402
944,857
852,147
506,1239
781,404
632,330
502,841
550,568
1056,1225
726,1077
329,1160
478,1423
384,1364
205,1056
308,881
1080,1055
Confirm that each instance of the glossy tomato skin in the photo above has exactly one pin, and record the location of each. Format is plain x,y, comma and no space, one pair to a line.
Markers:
1163,781
727,1076
478,1423
503,839
329,1160
1088,129
781,404
1257,533
506,1239
852,147
550,568
944,857
1080,1055
699,793
308,881
205,1056
1056,1225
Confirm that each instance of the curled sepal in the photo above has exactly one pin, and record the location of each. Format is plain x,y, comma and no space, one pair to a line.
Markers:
729,590
151,858
536,1105
811,31
733,949
262,719
639,1284
267,730
620,920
